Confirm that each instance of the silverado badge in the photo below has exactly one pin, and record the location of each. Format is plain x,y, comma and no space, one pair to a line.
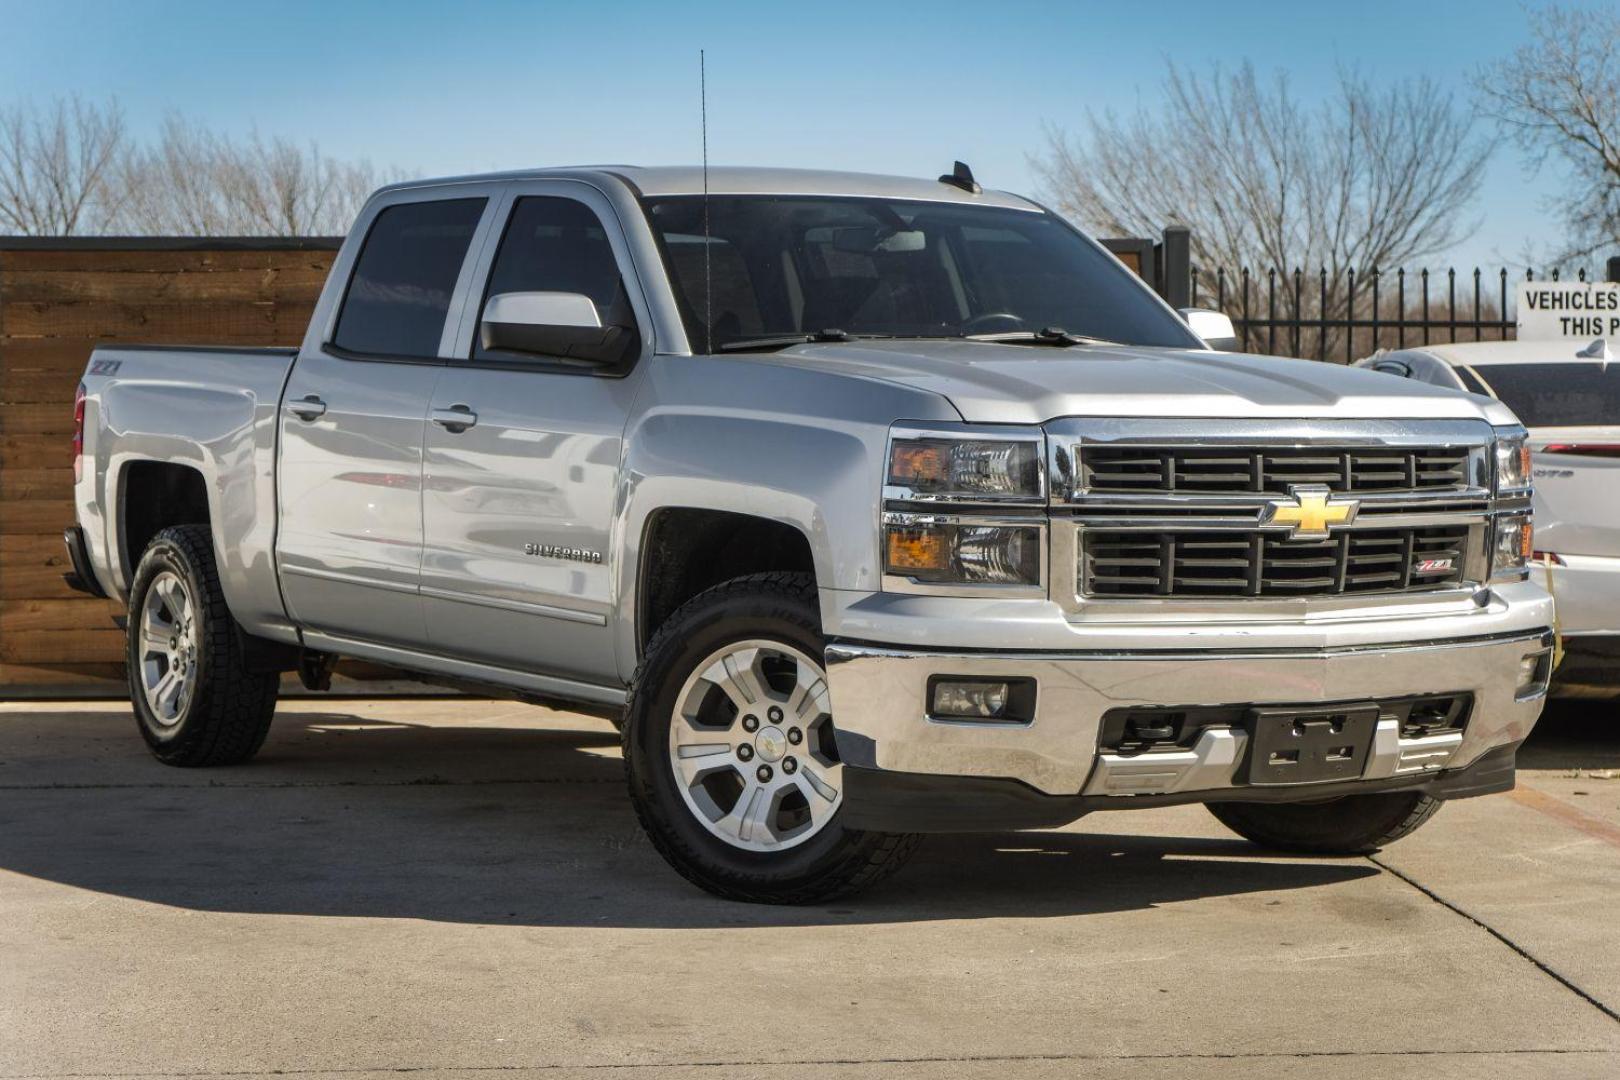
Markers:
1310,510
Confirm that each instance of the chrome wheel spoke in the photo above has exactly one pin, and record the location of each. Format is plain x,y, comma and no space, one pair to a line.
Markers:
166,643
818,791
695,761
734,776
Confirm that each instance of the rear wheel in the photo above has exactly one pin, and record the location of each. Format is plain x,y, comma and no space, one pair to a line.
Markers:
1352,825
195,699
730,756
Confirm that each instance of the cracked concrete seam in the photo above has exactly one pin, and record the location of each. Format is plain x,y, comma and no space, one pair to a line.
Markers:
1541,965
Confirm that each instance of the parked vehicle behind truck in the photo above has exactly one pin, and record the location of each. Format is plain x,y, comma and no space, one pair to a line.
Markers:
866,506
1568,396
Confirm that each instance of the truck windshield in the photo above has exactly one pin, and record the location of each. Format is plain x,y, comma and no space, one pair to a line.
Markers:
1553,395
782,268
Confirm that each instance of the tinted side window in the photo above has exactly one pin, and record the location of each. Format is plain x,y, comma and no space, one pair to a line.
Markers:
556,245
400,292
1555,395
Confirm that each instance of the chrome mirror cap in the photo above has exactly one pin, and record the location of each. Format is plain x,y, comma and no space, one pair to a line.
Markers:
1214,327
542,309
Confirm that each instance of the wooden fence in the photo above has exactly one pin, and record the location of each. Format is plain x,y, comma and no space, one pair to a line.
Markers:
58,300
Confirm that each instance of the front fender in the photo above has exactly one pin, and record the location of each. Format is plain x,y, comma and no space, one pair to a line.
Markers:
798,447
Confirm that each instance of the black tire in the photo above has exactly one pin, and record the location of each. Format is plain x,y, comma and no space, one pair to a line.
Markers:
1352,825
834,862
227,714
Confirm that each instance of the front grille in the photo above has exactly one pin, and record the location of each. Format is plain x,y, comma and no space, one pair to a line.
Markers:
1188,563
1111,469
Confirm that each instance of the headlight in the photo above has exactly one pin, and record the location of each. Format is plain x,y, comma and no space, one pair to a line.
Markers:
1512,461
939,551
1510,551
926,468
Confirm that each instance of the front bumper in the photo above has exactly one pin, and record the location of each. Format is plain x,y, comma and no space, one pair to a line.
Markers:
879,697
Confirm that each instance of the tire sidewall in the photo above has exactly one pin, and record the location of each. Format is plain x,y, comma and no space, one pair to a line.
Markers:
164,554
672,660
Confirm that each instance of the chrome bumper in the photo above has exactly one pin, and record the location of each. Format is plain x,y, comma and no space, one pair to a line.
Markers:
878,695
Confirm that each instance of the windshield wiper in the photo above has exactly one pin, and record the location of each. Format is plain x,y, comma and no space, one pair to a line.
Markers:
1052,335
782,341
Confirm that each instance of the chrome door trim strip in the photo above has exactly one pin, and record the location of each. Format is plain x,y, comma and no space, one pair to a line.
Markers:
349,579
522,607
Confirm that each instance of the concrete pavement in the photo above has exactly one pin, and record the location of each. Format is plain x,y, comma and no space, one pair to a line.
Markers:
459,888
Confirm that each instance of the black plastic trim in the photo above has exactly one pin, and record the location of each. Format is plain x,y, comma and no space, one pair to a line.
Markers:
81,578
886,801
340,353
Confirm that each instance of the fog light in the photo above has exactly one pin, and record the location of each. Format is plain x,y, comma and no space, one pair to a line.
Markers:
979,700
1010,700
1534,671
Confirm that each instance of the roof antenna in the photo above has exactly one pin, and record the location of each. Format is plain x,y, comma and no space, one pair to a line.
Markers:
961,176
708,275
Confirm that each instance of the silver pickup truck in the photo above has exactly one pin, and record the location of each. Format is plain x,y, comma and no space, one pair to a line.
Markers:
865,506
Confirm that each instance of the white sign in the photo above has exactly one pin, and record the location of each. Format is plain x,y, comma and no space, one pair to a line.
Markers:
1569,310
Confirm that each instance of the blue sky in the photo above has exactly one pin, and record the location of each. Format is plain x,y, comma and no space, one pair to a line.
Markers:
440,88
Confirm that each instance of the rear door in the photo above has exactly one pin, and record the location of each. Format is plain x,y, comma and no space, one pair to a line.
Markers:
349,537
521,471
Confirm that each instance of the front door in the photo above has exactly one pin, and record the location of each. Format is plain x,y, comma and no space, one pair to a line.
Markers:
349,537
521,468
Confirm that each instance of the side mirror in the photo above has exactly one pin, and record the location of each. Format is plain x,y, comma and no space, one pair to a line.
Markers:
1393,367
1213,327
565,325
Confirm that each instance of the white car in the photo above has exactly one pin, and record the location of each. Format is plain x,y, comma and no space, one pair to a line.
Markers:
1568,395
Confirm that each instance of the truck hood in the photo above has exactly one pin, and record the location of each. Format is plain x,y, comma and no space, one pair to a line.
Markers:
992,383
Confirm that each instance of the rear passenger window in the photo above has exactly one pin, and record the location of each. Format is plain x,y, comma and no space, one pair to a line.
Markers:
400,292
556,245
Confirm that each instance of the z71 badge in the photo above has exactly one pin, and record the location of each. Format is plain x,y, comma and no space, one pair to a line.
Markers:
551,551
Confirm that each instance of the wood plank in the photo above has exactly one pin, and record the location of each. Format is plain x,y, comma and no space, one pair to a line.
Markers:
34,452
43,354
88,613
39,387
299,284
36,583
34,483
41,418
63,646
266,321
102,676
165,262
26,550
36,516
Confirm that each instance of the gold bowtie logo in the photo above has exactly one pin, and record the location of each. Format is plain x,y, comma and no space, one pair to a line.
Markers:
1311,511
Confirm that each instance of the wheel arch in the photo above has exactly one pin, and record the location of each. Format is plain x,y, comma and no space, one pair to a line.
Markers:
686,549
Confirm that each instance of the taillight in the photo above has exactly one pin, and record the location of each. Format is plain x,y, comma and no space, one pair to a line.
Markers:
78,433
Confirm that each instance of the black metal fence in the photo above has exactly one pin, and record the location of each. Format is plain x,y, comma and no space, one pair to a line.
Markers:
1346,317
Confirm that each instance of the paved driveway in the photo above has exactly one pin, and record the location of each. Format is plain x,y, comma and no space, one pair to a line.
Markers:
459,889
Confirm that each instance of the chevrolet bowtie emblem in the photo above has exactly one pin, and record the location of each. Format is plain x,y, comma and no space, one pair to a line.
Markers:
1311,510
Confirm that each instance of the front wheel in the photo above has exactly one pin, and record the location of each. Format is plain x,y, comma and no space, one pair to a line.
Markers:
1352,825
730,756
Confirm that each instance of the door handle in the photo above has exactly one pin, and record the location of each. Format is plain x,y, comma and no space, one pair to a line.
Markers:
308,409
456,419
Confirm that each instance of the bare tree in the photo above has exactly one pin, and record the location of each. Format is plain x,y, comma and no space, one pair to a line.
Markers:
1370,178
198,182
1559,95
55,167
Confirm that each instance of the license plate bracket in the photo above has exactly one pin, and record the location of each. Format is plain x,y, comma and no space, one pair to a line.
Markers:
1316,745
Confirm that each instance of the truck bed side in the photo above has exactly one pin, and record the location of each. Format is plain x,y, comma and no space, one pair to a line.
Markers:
152,414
